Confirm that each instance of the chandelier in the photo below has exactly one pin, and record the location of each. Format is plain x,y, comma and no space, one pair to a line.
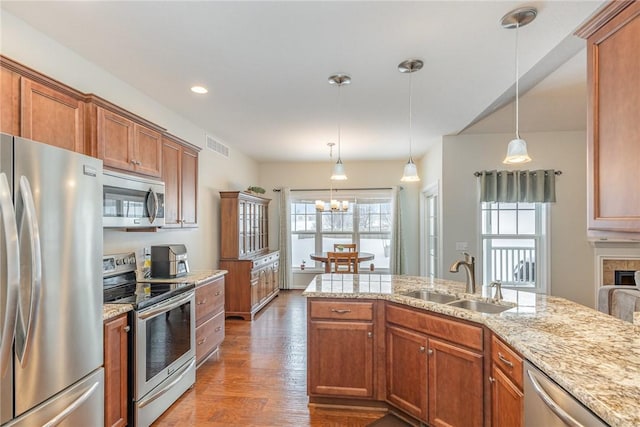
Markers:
334,205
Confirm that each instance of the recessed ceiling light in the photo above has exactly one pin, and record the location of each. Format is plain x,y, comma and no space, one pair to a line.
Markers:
199,89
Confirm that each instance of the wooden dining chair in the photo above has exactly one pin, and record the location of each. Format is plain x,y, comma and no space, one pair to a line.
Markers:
343,262
349,247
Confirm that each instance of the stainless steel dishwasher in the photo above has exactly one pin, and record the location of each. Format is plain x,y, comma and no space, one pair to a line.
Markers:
549,405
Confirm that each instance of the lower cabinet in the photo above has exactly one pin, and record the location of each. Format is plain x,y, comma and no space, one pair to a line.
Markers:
340,349
116,383
250,284
507,398
209,318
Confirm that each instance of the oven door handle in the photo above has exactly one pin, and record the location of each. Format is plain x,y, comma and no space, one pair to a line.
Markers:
179,375
165,306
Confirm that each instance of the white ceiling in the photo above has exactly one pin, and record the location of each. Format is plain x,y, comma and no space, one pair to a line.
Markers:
266,65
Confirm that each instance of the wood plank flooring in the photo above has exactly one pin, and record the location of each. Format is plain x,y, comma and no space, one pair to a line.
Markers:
260,378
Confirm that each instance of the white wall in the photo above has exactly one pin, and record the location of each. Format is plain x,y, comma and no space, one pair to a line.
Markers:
370,174
26,45
572,275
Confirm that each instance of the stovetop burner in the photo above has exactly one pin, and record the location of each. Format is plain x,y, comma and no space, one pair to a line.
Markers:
120,286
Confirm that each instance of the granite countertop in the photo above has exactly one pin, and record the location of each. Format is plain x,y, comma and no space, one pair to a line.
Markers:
109,311
594,356
195,277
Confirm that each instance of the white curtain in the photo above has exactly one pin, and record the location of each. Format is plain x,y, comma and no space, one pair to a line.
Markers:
398,259
286,274
537,186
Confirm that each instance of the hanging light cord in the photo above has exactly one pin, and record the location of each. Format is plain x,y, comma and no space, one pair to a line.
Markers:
517,86
330,180
339,117
410,94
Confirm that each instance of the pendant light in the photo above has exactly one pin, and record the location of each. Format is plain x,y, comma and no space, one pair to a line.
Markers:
334,205
338,173
517,149
410,66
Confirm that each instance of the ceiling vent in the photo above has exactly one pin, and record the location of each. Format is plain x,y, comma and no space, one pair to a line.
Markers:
217,146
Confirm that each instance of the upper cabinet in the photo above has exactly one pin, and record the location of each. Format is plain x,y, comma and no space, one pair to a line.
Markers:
613,52
39,108
124,141
180,176
244,225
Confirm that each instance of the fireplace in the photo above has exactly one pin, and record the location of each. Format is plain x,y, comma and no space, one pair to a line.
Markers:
624,277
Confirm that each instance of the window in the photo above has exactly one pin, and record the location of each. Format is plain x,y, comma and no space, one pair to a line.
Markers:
514,244
367,223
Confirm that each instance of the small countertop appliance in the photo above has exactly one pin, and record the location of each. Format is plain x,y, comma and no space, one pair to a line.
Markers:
169,261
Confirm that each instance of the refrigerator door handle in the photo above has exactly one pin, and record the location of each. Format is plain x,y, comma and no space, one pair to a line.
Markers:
12,274
29,220
152,205
74,405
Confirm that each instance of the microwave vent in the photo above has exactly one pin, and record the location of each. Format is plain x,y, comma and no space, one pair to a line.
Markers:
217,146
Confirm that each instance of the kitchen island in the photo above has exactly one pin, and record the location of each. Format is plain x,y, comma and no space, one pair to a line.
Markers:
592,355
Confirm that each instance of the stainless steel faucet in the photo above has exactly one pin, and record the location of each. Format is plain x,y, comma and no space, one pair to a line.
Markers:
469,263
498,292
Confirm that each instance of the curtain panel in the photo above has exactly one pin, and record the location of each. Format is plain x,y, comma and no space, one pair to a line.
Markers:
398,263
538,186
286,273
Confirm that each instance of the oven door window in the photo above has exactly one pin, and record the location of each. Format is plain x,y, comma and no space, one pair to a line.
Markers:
168,338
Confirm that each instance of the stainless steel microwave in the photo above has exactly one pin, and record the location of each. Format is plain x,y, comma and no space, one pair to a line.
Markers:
130,201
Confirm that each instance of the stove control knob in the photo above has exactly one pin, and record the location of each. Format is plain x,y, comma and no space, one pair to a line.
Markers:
119,261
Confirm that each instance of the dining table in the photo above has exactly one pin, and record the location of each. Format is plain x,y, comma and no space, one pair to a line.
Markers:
324,258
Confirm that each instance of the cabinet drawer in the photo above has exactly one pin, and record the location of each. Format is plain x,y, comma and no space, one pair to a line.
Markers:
341,310
209,335
507,360
450,330
209,300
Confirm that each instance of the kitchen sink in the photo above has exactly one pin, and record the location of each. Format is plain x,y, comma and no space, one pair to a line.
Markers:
479,306
431,296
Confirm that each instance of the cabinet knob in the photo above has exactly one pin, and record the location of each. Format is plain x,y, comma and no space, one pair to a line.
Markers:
133,162
202,301
217,293
202,341
492,380
219,328
430,352
127,328
422,349
370,334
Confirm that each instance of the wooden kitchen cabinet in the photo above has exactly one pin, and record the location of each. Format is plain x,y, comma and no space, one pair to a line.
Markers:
9,102
209,318
613,128
51,116
453,366
406,371
116,383
340,349
253,278
507,398
123,142
180,176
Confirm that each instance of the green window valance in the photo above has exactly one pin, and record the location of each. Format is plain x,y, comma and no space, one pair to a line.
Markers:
537,186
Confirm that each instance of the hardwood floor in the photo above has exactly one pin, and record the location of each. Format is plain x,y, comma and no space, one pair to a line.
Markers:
260,378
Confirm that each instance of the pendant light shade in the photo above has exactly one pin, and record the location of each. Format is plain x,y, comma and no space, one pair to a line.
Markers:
338,172
517,149
410,170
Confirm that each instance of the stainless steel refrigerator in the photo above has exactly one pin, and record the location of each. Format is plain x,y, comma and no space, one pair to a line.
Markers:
51,286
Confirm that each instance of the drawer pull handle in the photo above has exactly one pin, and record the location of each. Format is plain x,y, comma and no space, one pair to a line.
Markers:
505,360
219,328
340,311
217,293
202,341
422,349
202,302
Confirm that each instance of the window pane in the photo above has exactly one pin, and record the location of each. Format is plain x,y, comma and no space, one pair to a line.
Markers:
328,240
511,260
301,246
379,245
507,222
527,222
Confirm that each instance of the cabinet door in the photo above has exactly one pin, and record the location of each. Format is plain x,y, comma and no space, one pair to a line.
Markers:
115,140
242,228
147,151
341,360
189,188
171,177
276,276
407,371
507,401
255,290
614,128
455,385
51,117
115,371
9,102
